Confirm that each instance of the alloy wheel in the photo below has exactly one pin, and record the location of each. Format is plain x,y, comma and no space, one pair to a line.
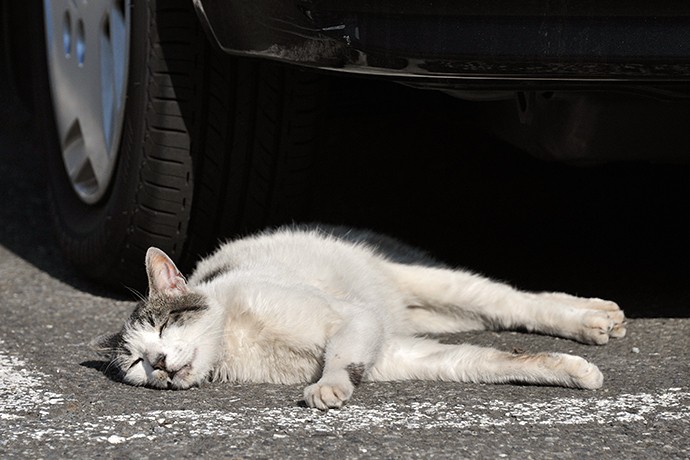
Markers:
88,53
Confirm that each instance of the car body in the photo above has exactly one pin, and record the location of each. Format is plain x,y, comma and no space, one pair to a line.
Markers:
559,75
173,123
462,41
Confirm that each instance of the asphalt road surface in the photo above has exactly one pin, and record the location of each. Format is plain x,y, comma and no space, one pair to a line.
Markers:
411,164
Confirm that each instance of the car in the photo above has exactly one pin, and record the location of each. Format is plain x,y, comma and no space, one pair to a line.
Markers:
173,123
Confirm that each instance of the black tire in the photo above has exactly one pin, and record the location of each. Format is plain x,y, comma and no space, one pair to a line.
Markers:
211,146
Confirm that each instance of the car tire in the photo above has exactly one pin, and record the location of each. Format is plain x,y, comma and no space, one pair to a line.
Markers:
210,146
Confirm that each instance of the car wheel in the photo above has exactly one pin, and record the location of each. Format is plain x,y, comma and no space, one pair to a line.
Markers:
154,138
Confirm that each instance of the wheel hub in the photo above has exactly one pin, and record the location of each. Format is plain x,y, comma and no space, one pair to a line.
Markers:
87,43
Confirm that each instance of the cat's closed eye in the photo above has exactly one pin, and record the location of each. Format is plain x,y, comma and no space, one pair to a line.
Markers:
163,326
137,361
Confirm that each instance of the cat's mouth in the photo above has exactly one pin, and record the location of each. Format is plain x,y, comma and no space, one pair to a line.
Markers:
177,380
163,375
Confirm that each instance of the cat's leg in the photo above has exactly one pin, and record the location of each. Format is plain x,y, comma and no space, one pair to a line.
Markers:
443,300
409,358
350,352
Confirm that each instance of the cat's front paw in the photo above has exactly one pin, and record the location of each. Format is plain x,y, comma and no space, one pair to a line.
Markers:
326,395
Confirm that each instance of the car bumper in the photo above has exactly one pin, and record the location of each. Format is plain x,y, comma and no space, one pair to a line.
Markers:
461,40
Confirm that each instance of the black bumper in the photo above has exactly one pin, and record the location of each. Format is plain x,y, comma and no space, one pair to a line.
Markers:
633,41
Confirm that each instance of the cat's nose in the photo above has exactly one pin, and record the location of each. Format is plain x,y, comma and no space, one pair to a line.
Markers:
159,362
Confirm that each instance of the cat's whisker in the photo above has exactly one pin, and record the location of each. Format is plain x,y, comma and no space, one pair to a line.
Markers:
136,293
109,369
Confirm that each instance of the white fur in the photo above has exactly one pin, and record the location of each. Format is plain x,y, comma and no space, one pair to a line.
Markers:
299,306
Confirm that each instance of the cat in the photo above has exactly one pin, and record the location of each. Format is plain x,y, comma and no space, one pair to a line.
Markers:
332,307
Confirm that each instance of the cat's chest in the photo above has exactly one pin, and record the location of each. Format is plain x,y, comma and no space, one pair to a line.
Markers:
276,326
265,352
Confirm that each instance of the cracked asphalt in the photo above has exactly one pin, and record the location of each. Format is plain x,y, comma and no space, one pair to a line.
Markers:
408,163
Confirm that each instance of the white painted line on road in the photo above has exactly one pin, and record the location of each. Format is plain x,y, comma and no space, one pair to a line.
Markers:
22,392
672,404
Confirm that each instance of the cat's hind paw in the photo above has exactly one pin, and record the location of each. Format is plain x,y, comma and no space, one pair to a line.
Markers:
600,325
582,373
328,395
587,320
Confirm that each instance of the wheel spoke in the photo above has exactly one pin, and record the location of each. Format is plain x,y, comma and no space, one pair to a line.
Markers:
73,154
77,161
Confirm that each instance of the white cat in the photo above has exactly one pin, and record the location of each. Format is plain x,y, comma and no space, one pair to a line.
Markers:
333,308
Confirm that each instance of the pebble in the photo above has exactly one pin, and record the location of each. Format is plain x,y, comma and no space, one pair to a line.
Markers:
635,350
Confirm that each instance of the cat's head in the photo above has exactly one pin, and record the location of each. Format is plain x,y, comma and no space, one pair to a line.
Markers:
172,338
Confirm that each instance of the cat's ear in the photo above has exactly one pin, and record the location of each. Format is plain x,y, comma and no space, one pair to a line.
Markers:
164,277
106,344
